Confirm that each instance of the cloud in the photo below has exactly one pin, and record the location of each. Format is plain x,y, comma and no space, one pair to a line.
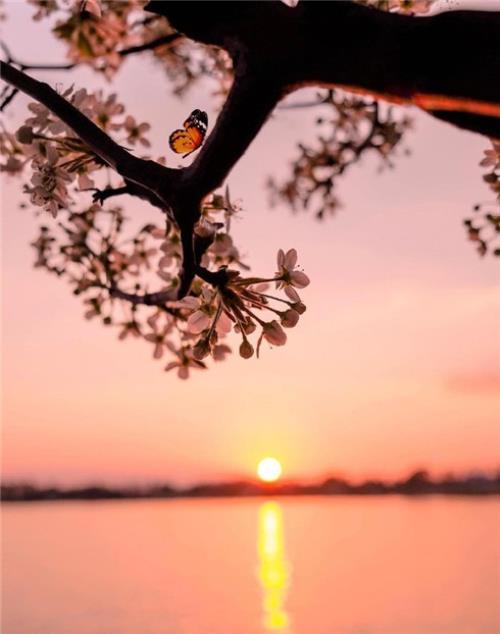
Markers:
485,382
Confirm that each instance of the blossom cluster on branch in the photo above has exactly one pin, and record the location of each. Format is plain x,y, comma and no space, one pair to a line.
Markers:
348,127
483,229
102,33
57,158
114,270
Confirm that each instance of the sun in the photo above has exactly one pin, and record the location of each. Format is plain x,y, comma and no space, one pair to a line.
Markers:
269,469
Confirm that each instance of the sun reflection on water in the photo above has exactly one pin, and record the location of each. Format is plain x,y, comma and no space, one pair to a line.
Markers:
274,569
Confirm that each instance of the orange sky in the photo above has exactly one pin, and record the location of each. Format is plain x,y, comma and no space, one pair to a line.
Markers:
395,365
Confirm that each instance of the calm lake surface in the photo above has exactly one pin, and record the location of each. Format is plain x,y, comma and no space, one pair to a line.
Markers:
327,565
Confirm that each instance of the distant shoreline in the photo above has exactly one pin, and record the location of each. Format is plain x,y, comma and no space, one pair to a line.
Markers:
417,484
267,494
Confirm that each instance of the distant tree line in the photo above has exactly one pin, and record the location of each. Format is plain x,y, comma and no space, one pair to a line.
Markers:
418,483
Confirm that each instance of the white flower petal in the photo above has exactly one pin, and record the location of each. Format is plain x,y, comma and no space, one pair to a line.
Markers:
224,324
274,333
198,322
290,259
183,372
292,294
299,279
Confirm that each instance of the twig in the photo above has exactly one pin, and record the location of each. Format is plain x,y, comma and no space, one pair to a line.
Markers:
100,195
148,299
10,96
162,40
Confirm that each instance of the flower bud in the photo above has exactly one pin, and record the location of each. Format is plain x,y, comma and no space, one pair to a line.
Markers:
289,318
201,349
249,326
246,349
299,307
219,352
25,135
274,333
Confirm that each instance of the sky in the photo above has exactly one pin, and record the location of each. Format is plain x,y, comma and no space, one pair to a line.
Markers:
394,366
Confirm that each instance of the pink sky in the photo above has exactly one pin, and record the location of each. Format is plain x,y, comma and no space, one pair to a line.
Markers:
395,365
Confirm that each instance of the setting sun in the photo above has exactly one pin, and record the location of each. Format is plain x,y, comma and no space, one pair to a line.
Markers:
269,469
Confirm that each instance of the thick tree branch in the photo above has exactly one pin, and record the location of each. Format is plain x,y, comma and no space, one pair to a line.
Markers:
447,62
397,57
250,102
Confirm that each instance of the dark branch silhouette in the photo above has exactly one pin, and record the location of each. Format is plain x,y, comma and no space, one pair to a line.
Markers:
446,63
343,44
147,174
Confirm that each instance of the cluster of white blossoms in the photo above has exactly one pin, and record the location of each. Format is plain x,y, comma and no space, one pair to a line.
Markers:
348,127
240,304
113,272
56,156
484,228
114,269
94,31
101,33
492,160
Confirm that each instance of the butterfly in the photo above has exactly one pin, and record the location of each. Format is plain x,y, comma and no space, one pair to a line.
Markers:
193,135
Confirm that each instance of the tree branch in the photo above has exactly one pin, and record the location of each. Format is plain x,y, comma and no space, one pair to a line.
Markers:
129,188
421,61
100,195
148,299
162,40
9,96
250,102
148,175
11,60
406,59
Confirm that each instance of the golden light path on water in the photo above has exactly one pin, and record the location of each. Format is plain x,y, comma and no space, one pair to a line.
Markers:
274,569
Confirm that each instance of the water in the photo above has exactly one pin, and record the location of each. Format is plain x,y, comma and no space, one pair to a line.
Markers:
292,566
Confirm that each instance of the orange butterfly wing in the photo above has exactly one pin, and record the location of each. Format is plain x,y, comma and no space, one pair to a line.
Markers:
188,140
181,142
196,134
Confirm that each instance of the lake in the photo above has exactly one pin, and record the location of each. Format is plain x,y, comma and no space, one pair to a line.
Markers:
323,565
